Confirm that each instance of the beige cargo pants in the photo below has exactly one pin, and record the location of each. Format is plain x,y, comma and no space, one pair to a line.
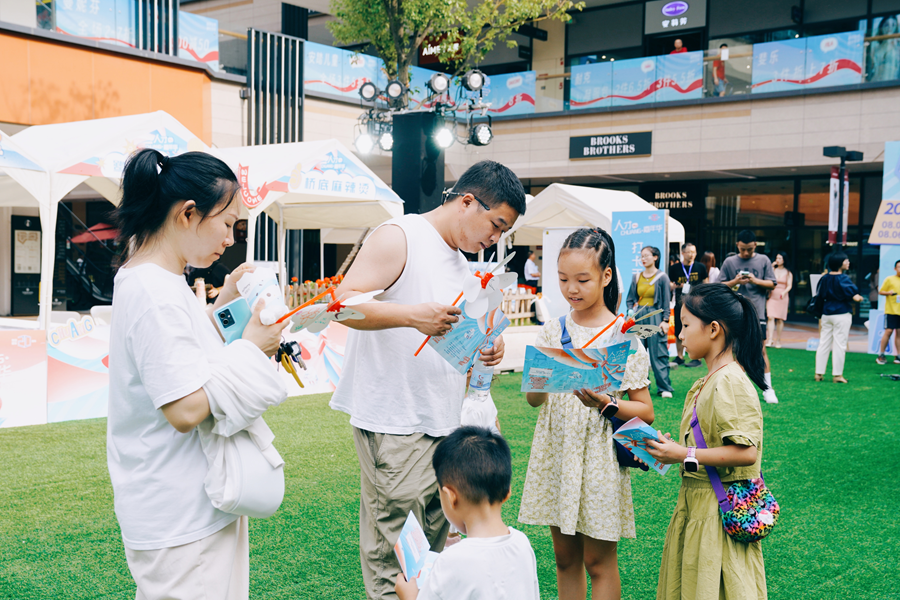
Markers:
396,477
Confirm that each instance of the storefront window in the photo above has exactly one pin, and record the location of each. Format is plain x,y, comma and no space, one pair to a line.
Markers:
883,49
750,203
814,200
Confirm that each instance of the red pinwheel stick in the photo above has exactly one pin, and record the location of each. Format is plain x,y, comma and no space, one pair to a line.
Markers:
307,303
458,298
602,331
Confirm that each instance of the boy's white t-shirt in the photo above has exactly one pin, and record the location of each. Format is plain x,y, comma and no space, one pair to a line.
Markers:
159,339
495,568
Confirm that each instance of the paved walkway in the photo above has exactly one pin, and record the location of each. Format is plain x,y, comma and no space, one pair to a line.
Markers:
795,335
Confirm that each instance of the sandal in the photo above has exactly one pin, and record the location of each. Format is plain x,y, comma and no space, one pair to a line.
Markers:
839,379
820,377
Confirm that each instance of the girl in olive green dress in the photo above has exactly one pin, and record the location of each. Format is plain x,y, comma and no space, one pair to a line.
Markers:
700,561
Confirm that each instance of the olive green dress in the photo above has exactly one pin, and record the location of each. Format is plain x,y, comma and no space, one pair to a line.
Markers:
700,561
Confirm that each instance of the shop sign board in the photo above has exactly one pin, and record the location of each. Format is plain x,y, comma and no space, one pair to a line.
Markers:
886,229
663,16
613,145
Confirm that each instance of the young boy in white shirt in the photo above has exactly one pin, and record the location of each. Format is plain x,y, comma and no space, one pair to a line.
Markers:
474,469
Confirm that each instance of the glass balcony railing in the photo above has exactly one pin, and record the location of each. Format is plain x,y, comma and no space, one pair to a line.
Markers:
834,60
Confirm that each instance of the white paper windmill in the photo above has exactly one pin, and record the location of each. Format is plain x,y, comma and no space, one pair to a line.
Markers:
484,292
315,318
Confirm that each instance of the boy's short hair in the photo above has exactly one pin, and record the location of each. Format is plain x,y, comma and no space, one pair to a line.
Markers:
896,263
746,237
493,184
475,461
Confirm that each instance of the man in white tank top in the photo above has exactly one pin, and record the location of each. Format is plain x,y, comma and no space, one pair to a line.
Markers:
400,405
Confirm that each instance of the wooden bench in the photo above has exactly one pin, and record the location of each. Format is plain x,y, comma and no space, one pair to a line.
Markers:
518,308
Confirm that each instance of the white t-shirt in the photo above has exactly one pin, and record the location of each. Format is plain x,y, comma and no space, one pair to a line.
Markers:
158,342
497,568
531,270
384,387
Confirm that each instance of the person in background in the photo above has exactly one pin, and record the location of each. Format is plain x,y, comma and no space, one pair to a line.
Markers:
718,72
679,47
682,276
753,276
532,273
777,304
839,291
215,276
650,291
891,289
708,260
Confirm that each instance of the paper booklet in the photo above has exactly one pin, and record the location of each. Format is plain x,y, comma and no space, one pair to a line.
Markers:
414,552
557,370
460,345
633,435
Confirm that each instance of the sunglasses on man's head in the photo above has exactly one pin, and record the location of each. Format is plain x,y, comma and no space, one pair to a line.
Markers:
448,193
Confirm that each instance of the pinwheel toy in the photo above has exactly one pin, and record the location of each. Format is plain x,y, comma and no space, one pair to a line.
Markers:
641,330
482,293
315,318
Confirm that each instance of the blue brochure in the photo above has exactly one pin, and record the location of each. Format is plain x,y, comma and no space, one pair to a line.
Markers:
633,435
414,552
460,345
557,370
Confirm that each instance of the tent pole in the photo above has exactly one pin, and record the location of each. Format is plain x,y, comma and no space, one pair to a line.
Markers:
251,236
321,256
48,235
282,259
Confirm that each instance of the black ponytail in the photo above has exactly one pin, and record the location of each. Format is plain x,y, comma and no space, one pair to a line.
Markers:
601,242
717,302
153,182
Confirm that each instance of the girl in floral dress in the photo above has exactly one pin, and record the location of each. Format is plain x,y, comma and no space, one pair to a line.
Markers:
574,483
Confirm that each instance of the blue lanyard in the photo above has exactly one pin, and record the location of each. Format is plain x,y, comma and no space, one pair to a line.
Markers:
688,272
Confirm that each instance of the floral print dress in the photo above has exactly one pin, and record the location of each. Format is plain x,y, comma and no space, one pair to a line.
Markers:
574,481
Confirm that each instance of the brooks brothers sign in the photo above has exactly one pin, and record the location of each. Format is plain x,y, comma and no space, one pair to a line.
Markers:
610,146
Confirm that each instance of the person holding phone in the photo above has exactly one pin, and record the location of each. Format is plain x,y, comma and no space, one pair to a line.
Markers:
754,277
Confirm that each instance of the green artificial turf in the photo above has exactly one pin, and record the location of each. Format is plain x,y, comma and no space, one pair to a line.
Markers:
829,454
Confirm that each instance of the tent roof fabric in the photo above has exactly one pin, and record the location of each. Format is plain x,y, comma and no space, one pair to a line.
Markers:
564,206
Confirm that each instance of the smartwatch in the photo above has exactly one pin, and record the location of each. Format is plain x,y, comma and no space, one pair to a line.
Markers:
611,408
690,461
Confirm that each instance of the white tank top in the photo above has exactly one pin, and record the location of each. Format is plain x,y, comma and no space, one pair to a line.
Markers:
383,387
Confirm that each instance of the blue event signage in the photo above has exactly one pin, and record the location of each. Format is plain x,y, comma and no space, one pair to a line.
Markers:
339,72
633,81
511,94
198,39
679,77
819,61
631,231
591,86
110,21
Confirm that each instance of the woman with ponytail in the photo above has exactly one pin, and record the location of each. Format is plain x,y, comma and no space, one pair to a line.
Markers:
700,560
174,212
574,482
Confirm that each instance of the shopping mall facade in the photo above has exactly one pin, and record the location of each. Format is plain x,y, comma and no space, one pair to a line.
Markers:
727,135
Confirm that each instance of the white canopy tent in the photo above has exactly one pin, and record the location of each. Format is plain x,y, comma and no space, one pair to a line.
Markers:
310,185
566,206
91,152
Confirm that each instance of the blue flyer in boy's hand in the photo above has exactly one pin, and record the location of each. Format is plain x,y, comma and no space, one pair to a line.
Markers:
558,370
413,551
633,435
460,345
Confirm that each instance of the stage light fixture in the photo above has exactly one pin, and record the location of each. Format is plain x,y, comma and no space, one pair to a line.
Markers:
481,135
395,89
386,141
364,143
444,137
473,80
368,91
439,83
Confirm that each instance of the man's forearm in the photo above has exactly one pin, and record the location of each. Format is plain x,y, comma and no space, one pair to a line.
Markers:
381,315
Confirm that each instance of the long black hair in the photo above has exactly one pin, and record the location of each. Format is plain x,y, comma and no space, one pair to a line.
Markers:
717,302
599,241
153,182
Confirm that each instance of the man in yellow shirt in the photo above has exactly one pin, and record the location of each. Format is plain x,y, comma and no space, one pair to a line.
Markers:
891,289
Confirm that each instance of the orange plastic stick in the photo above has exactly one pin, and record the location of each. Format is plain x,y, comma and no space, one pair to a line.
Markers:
305,304
602,331
458,298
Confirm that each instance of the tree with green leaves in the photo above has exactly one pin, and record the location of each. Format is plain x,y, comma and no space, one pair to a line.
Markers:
462,31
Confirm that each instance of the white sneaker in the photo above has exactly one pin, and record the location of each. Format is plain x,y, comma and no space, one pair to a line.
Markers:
666,394
770,397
